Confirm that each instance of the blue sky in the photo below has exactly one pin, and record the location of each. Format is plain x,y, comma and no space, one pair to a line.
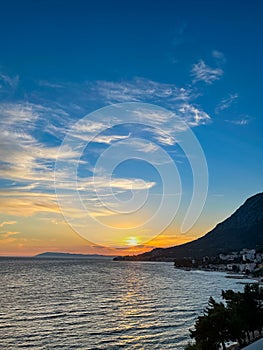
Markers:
61,60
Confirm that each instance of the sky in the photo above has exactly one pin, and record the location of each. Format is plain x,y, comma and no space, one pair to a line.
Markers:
126,125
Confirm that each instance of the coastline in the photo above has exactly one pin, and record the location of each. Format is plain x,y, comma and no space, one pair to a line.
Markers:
228,274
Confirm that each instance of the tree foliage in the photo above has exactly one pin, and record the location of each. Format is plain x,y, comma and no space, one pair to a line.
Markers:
236,321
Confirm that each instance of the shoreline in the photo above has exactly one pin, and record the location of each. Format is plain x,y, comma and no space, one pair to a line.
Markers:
228,274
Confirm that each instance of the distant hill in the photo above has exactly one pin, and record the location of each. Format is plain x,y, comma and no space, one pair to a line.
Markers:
243,229
55,255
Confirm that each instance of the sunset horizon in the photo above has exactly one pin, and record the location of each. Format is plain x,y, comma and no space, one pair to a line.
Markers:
100,144
131,175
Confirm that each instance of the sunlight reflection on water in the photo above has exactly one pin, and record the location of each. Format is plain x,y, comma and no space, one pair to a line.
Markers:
101,304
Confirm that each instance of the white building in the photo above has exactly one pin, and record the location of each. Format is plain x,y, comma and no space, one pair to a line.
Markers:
248,254
228,257
259,257
247,267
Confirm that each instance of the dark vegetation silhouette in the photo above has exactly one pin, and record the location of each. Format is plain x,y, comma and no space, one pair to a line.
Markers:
239,319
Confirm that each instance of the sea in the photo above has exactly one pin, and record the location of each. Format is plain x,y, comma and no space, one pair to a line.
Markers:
102,304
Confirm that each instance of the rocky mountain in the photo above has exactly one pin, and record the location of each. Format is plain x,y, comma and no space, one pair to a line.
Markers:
243,229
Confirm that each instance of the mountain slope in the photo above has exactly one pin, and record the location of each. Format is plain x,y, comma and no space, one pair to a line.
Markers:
243,229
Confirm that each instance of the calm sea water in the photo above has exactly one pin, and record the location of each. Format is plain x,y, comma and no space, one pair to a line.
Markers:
101,304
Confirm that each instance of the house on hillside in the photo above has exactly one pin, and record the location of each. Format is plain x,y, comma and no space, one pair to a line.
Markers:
248,254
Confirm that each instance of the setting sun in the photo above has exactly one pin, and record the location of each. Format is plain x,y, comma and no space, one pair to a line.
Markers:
132,241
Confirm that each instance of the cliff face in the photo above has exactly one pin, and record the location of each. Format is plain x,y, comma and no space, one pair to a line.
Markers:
243,229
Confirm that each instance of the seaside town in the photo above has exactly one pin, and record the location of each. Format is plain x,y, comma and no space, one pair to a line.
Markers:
247,261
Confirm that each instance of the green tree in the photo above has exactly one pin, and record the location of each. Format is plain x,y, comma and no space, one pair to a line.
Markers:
246,312
211,329
241,317
236,316
193,347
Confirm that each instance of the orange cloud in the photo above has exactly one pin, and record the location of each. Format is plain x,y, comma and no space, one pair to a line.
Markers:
2,224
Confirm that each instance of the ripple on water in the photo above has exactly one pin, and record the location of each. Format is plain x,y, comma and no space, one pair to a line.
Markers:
98,304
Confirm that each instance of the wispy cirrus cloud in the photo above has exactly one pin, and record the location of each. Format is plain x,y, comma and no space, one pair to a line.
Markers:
90,131
8,84
4,235
140,89
179,101
100,182
23,158
167,125
193,115
202,72
4,223
28,205
167,95
25,117
14,113
28,156
241,122
226,103
218,56
8,80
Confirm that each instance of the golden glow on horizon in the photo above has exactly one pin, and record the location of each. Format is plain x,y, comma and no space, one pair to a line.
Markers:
132,241
27,235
